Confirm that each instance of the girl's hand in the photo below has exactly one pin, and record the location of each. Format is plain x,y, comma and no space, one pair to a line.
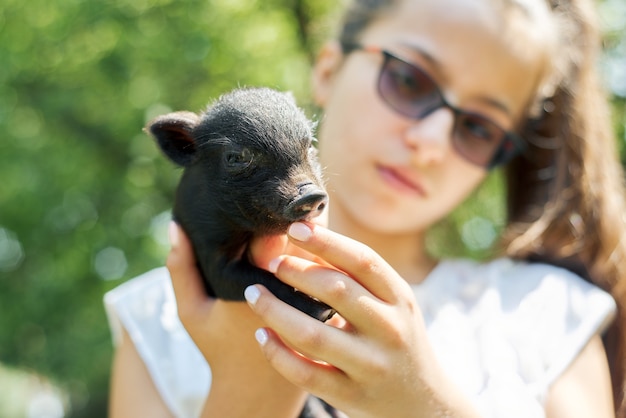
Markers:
372,361
210,322
243,383
195,306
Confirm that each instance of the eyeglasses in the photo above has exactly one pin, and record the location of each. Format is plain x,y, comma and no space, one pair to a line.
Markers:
411,92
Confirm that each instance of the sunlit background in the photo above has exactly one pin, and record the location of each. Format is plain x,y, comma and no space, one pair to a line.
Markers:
85,195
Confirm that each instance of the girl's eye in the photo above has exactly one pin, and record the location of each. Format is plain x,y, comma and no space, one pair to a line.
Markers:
405,82
478,128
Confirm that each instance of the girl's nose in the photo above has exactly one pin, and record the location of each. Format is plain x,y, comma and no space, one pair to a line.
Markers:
430,138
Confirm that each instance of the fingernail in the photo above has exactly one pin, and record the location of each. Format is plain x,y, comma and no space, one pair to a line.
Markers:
261,336
299,231
251,294
273,265
173,233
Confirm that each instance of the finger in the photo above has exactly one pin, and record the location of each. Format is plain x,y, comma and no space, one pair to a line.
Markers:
319,379
312,338
349,298
356,259
264,249
186,279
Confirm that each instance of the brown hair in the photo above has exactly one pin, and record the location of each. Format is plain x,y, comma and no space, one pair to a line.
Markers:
565,194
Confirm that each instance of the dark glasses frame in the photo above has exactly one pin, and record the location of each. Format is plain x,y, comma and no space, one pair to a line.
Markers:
508,143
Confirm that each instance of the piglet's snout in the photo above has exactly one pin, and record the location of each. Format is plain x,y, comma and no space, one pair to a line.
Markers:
310,203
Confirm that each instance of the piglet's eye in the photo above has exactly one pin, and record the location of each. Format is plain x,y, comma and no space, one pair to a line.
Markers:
238,159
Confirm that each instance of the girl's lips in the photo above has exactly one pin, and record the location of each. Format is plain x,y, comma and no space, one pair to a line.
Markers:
402,179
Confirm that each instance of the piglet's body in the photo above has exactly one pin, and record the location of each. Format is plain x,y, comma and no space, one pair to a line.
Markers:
249,170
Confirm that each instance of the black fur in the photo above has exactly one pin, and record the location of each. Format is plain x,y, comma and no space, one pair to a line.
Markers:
249,170
317,408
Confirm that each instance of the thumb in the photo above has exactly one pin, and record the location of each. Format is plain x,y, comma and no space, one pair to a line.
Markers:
265,249
186,279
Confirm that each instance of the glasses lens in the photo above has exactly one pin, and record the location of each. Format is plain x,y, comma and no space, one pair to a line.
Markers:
406,88
477,138
411,92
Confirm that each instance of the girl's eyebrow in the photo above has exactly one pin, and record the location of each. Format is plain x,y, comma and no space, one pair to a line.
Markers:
434,63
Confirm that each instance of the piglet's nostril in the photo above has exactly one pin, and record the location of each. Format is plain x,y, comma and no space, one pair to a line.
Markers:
312,206
311,202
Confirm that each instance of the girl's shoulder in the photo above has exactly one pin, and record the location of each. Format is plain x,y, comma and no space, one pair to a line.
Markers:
507,329
142,298
534,297
145,306
512,284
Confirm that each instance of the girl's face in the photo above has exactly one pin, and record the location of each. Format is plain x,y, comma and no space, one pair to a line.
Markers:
393,174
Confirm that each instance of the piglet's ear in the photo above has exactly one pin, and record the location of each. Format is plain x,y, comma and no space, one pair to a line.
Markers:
173,133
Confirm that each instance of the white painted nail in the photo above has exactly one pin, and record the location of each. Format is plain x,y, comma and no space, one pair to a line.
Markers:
251,294
273,265
299,231
173,233
261,336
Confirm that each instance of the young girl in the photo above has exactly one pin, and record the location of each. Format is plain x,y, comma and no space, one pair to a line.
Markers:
421,99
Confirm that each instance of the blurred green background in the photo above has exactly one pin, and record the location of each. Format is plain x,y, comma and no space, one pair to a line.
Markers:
85,195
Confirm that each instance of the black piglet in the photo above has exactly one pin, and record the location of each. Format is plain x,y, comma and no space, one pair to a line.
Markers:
250,169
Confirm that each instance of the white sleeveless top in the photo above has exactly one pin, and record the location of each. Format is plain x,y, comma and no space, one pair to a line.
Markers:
504,331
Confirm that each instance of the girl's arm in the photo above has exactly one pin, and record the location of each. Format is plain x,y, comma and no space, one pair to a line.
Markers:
584,390
132,392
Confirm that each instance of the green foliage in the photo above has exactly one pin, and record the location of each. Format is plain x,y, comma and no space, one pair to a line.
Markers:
613,19
472,229
84,194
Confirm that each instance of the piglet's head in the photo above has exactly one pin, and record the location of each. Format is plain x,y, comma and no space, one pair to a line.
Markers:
248,161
